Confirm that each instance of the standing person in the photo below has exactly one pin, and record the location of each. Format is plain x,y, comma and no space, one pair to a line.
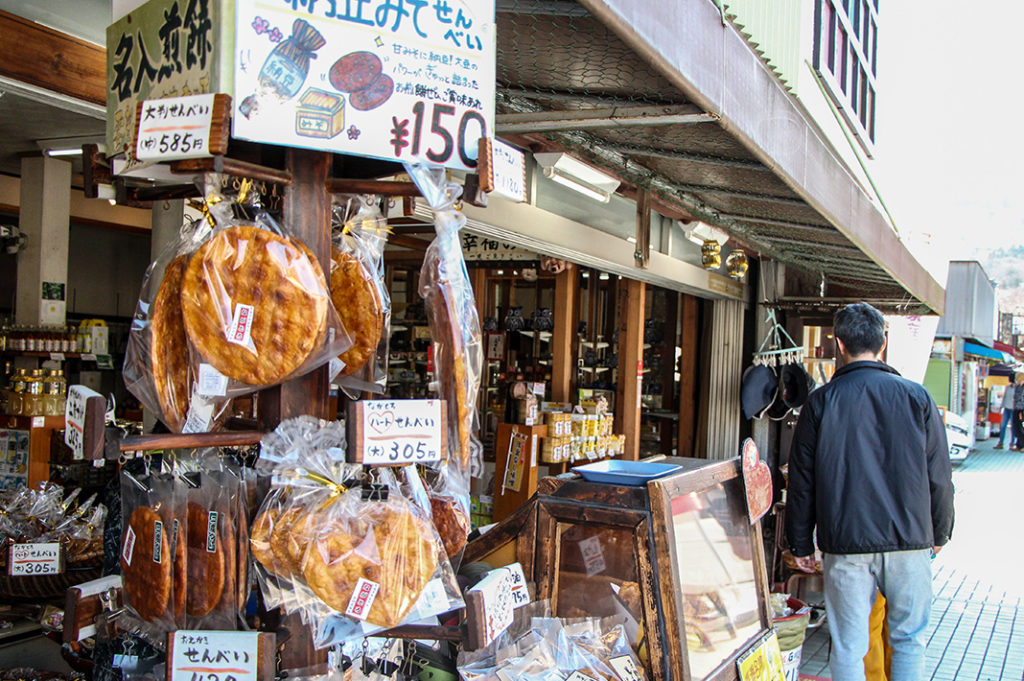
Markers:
1006,407
1018,415
869,468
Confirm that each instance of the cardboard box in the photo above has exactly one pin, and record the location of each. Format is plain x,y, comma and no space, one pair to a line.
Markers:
321,114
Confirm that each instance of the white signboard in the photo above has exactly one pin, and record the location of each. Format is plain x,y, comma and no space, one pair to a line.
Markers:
175,128
398,432
506,170
478,248
496,592
910,344
214,655
35,559
74,418
400,80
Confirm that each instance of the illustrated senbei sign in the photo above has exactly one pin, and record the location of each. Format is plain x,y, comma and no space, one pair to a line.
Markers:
400,80
165,48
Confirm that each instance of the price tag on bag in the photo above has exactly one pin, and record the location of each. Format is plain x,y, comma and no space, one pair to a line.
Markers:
35,559
397,432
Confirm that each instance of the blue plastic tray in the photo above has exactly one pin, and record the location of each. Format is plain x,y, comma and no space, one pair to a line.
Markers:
620,472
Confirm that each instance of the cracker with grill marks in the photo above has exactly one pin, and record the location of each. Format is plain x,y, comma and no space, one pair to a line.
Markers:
357,300
243,266
206,569
147,582
169,347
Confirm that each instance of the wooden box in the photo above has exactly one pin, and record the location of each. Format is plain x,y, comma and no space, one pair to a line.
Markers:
321,114
679,555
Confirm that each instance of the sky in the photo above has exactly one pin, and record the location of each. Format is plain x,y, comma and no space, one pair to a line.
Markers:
950,112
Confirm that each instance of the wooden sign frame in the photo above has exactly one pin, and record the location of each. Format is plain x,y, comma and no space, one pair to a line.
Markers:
354,420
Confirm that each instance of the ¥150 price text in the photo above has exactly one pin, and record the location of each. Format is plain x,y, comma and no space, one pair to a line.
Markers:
439,134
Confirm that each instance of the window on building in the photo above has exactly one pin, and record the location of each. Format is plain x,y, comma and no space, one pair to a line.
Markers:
845,56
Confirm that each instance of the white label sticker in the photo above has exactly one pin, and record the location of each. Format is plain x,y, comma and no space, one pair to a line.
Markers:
433,600
200,415
241,325
34,559
362,599
593,555
211,382
129,547
625,668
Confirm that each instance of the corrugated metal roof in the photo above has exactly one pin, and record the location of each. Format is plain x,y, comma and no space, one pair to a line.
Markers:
745,158
773,29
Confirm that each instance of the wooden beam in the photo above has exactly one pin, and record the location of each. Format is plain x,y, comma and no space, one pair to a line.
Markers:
563,366
688,375
52,60
378,187
632,310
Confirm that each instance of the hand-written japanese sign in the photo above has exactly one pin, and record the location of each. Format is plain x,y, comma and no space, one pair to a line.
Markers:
75,417
491,598
214,655
480,248
395,79
35,559
166,48
502,169
396,432
174,128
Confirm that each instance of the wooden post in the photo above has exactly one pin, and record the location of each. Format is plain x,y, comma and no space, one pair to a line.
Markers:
563,366
689,341
632,310
307,212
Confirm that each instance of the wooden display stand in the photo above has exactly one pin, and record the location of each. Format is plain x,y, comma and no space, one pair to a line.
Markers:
40,433
522,477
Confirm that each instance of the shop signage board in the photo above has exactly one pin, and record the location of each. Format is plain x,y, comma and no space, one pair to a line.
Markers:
84,422
397,432
214,655
35,559
400,81
476,248
492,603
165,48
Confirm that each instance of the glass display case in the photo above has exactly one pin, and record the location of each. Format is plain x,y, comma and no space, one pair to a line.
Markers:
678,557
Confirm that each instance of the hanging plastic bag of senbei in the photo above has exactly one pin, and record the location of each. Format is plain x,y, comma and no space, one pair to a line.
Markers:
256,305
458,356
359,293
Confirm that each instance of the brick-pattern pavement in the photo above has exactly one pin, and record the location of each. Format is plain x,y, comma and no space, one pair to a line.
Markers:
977,621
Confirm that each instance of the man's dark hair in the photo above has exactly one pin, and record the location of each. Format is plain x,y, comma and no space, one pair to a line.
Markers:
861,328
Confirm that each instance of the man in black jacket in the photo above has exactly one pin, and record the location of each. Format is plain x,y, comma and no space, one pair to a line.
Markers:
869,469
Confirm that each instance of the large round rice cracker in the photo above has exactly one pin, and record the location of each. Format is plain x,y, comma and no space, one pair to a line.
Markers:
169,347
246,265
147,583
357,300
206,569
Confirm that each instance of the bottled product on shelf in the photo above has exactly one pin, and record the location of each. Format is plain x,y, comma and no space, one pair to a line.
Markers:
40,392
27,338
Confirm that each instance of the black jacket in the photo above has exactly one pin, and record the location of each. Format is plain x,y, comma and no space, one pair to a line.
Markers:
869,466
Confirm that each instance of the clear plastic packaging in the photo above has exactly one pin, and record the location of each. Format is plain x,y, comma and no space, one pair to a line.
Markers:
455,330
152,558
159,363
359,294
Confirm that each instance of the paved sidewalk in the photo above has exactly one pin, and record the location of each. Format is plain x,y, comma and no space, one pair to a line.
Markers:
977,621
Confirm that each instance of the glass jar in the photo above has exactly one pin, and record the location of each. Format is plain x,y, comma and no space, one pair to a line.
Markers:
51,393
33,405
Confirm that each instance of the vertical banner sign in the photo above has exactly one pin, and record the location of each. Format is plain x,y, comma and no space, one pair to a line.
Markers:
166,48
514,469
214,655
401,80
74,418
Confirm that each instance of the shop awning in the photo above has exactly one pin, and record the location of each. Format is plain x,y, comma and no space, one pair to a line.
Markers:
1008,349
673,99
982,351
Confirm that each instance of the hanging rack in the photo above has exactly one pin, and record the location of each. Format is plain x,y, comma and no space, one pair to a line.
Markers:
777,353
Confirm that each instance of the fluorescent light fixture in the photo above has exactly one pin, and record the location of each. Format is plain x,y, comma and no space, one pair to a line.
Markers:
603,276
578,176
64,152
699,232
68,146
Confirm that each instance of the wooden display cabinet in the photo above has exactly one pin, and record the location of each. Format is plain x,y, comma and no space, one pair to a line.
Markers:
679,555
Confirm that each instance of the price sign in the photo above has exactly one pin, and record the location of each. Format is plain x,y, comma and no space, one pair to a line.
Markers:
372,78
593,555
492,605
520,592
35,559
214,655
83,422
397,432
502,170
174,128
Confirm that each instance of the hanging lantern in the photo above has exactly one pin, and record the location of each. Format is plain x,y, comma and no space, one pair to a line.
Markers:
736,264
711,254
